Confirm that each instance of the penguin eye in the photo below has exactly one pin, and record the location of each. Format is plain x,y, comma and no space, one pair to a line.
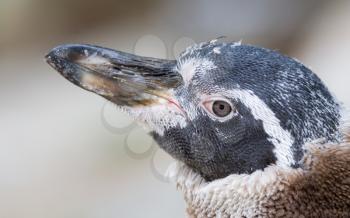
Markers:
219,108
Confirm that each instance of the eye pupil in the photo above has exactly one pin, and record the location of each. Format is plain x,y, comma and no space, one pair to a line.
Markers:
221,108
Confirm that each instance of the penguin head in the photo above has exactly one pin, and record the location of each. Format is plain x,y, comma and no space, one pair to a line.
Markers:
220,108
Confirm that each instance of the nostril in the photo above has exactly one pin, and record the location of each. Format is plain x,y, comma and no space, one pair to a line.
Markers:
75,55
67,52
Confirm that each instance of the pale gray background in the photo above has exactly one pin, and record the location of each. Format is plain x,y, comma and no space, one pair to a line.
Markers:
57,159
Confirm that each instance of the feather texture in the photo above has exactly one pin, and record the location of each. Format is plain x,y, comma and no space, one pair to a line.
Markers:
321,188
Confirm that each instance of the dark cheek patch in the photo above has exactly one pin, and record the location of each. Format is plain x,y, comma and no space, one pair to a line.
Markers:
216,150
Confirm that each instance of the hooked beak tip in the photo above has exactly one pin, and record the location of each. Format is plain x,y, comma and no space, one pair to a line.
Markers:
48,59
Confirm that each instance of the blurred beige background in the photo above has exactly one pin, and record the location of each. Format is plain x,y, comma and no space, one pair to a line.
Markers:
60,152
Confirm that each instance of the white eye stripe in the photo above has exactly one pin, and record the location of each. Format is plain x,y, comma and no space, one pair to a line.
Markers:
189,67
279,137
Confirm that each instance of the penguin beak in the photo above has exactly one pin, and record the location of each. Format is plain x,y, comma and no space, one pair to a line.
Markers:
125,79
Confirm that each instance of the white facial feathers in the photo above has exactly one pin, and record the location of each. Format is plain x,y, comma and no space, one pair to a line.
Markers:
189,67
158,117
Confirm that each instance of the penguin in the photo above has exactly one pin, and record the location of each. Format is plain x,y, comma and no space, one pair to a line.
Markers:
253,133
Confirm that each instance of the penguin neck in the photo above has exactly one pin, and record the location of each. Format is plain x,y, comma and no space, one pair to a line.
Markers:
251,194
235,195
